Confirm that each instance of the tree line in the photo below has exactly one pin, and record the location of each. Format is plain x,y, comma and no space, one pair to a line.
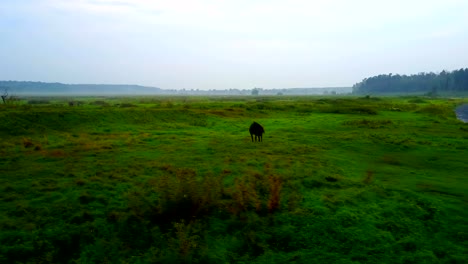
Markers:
430,83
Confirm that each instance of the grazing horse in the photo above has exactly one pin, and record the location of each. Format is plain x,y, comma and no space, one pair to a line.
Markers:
257,130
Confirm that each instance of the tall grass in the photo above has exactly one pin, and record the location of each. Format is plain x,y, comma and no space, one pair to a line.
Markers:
177,180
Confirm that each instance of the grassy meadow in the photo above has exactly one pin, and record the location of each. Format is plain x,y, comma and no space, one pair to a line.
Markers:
178,180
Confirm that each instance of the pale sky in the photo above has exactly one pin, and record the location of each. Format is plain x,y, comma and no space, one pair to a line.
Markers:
215,44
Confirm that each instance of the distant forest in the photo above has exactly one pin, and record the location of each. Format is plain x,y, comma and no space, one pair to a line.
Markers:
429,83
41,88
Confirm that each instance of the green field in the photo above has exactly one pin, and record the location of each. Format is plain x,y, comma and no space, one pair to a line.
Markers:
178,180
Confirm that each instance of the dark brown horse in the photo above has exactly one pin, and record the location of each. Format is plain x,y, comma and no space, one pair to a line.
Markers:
257,130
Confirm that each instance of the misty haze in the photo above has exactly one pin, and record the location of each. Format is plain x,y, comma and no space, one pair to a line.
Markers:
233,131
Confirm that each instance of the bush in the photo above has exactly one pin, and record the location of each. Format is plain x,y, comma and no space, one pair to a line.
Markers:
417,101
437,110
199,121
369,123
125,105
27,143
362,110
100,103
38,101
181,196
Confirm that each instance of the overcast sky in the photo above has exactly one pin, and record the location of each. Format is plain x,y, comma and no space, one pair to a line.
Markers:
215,44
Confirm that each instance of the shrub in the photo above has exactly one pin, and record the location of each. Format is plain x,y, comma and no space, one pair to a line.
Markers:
255,192
168,104
38,101
27,143
417,101
331,179
437,110
182,196
100,103
275,192
201,122
368,97
125,105
244,196
369,177
338,109
186,238
368,123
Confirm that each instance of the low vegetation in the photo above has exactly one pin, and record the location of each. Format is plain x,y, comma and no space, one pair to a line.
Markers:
178,180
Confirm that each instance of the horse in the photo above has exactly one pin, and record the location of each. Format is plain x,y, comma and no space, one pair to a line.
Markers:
257,130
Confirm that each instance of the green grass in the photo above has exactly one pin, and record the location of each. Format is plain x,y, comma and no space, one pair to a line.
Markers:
178,180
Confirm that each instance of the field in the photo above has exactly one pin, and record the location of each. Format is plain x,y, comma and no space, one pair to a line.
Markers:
178,180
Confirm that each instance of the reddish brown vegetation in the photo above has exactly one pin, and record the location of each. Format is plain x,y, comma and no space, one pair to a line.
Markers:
57,153
369,177
182,195
27,143
275,193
